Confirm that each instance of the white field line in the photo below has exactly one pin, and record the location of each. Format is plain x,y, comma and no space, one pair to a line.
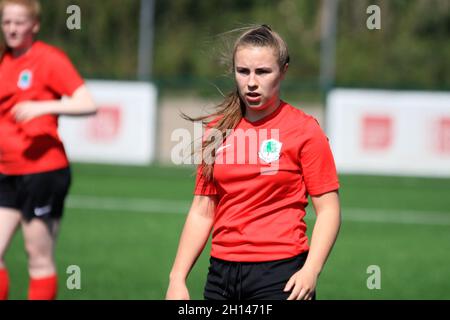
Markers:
128,204
182,207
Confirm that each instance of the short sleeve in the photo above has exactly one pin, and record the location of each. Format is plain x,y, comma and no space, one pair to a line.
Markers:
317,162
203,187
63,78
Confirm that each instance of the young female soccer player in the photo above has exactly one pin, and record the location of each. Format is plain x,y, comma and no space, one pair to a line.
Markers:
34,170
253,185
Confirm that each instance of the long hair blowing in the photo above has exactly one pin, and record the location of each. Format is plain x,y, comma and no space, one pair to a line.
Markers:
231,110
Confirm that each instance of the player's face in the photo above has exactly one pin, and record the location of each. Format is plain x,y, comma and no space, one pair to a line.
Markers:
18,27
258,77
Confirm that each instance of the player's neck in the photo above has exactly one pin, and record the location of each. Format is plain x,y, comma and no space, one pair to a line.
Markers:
256,115
18,52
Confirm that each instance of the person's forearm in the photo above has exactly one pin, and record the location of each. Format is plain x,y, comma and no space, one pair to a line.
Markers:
323,238
193,239
66,107
81,103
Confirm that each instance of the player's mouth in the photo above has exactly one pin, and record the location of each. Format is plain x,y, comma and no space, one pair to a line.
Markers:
11,37
253,97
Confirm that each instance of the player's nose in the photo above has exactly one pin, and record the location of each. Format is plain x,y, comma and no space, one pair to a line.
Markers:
252,83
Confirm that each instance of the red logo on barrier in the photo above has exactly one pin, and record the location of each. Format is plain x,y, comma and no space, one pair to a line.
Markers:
105,126
376,132
444,135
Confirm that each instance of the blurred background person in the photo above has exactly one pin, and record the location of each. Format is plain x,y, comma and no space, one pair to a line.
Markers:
34,170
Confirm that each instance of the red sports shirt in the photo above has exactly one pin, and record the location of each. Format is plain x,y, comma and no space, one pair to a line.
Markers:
263,184
43,73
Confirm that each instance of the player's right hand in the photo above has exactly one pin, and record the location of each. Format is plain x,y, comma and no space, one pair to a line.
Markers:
177,291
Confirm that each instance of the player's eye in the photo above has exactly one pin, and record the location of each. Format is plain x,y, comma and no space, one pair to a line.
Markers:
263,71
244,71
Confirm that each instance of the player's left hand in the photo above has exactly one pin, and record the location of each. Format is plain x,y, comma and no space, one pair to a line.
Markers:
302,284
27,110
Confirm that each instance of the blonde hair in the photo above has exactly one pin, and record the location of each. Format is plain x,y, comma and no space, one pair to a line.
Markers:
231,110
34,10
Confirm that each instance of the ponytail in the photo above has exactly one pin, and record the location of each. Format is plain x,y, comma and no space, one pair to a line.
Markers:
232,109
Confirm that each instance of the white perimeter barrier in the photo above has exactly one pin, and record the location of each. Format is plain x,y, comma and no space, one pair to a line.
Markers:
390,132
122,132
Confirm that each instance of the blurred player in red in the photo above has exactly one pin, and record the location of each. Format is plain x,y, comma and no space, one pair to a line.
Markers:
252,188
34,170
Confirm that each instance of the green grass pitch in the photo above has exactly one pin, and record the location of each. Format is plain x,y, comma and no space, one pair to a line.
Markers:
122,225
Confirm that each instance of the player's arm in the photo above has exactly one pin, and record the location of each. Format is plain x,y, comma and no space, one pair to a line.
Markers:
80,103
326,228
194,237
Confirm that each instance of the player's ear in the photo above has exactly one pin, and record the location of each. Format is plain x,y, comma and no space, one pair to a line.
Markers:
284,70
36,27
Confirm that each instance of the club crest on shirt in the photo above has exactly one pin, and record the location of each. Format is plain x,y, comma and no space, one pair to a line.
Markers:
25,79
269,151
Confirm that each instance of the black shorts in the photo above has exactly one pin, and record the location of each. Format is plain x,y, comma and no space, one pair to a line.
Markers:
251,280
39,195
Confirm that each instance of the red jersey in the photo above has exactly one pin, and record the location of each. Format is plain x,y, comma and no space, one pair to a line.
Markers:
43,73
263,174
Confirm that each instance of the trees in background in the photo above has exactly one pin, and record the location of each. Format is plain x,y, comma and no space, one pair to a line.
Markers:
410,51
